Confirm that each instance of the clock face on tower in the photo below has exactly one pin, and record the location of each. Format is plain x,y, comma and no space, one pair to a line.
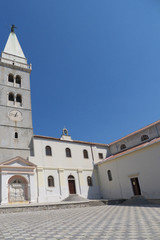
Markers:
15,115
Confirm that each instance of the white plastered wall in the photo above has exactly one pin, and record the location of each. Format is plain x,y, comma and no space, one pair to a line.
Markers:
143,163
32,186
60,167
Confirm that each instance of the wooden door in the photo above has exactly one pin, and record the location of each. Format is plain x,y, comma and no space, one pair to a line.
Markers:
72,188
135,186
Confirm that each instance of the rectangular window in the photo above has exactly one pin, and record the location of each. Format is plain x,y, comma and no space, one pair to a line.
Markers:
100,155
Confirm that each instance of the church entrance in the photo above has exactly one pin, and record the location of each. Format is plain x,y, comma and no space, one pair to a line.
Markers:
71,185
135,186
17,189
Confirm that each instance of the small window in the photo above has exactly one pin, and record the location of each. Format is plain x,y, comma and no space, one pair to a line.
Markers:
68,152
48,151
16,135
85,153
144,137
100,155
19,98
109,175
123,146
18,80
10,78
11,97
50,181
89,181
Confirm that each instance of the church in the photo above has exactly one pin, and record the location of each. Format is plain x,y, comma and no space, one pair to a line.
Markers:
40,169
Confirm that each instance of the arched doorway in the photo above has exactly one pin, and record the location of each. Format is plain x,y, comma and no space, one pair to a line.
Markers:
71,185
17,189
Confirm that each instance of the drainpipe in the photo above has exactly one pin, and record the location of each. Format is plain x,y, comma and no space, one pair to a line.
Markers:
60,190
37,185
92,156
78,171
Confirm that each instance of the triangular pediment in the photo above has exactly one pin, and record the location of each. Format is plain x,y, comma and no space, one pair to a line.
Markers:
18,162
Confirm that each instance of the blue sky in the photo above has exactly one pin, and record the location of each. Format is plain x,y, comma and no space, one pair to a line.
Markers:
96,64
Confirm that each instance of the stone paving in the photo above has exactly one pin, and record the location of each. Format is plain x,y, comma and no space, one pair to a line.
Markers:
103,222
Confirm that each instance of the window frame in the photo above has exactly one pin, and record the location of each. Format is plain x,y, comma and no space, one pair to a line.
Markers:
50,180
11,94
123,146
85,154
68,152
11,76
19,98
16,135
144,137
109,173
89,181
18,80
48,151
100,154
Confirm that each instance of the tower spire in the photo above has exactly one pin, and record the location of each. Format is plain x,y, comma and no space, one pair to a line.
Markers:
13,53
12,46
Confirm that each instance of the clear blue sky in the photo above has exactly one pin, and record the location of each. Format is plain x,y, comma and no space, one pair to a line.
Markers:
96,64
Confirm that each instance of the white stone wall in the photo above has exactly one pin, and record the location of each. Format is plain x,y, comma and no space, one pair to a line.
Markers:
60,167
143,163
32,187
135,139
9,146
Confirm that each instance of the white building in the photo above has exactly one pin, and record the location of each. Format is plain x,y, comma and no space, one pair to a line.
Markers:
65,166
45,169
132,167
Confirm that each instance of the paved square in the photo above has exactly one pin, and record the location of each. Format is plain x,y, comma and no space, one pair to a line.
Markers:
103,222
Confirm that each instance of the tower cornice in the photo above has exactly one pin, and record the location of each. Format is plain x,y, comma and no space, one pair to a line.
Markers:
15,65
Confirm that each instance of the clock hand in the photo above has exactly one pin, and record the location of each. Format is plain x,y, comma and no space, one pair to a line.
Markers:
15,114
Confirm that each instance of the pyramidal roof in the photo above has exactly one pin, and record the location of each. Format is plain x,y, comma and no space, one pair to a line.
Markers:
13,47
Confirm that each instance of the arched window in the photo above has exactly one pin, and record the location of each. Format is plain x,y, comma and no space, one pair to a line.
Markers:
19,98
144,137
109,175
89,181
50,181
48,151
123,146
16,135
11,97
18,80
10,78
85,153
68,152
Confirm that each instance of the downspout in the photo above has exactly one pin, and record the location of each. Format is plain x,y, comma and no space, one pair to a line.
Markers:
92,156
37,185
60,190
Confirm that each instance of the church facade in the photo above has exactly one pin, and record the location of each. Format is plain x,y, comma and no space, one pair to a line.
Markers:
39,169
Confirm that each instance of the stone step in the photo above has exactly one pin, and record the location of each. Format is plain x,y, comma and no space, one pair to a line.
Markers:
136,201
74,198
53,206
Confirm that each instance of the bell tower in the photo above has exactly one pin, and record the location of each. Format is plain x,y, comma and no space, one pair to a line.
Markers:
16,131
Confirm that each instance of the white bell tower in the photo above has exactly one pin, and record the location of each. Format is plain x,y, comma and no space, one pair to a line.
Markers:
16,131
